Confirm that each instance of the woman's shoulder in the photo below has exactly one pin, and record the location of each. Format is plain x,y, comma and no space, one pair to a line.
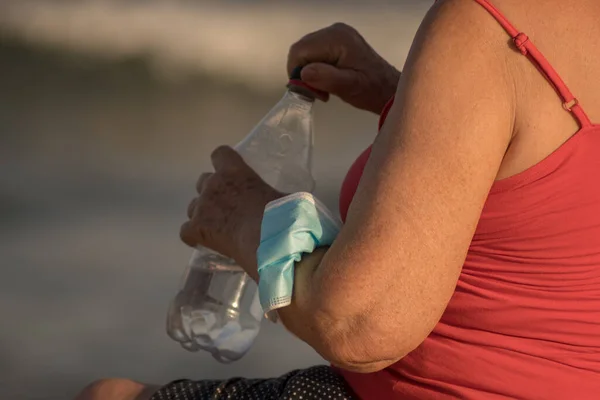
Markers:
461,26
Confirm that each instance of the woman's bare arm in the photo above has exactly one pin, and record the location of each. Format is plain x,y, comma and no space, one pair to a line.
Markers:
378,292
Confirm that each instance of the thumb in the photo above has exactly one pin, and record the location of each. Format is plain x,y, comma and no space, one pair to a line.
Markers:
225,158
330,79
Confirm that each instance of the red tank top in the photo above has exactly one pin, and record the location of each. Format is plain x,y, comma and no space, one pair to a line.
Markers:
524,321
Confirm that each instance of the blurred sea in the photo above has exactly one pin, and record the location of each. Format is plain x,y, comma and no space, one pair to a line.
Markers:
108,112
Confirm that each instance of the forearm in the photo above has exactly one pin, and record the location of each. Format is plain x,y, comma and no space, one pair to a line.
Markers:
300,316
335,324
336,339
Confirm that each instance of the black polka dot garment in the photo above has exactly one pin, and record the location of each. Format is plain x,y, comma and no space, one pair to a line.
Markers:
314,383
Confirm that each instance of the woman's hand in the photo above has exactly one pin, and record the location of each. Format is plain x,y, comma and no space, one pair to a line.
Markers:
227,214
338,60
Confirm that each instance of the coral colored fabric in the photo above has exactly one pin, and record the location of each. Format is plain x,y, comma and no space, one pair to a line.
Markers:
524,322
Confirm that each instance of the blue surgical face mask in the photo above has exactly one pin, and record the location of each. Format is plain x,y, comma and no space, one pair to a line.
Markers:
291,226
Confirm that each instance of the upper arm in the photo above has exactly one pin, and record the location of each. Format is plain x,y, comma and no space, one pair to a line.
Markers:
395,265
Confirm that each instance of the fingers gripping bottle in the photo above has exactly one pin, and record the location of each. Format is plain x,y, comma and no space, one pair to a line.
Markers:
217,308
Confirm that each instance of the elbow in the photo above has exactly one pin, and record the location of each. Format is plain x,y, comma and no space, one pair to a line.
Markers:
360,346
368,367
362,335
356,354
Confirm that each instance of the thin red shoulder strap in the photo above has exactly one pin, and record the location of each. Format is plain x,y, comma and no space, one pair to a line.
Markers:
527,48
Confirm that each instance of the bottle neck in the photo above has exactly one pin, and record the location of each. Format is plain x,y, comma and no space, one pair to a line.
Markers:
297,86
303,96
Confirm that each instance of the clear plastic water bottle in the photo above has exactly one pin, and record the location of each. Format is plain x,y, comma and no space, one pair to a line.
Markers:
217,308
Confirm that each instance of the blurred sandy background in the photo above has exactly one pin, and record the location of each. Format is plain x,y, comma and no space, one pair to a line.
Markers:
108,112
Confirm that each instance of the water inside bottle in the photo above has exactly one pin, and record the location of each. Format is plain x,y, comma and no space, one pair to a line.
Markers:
216,310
